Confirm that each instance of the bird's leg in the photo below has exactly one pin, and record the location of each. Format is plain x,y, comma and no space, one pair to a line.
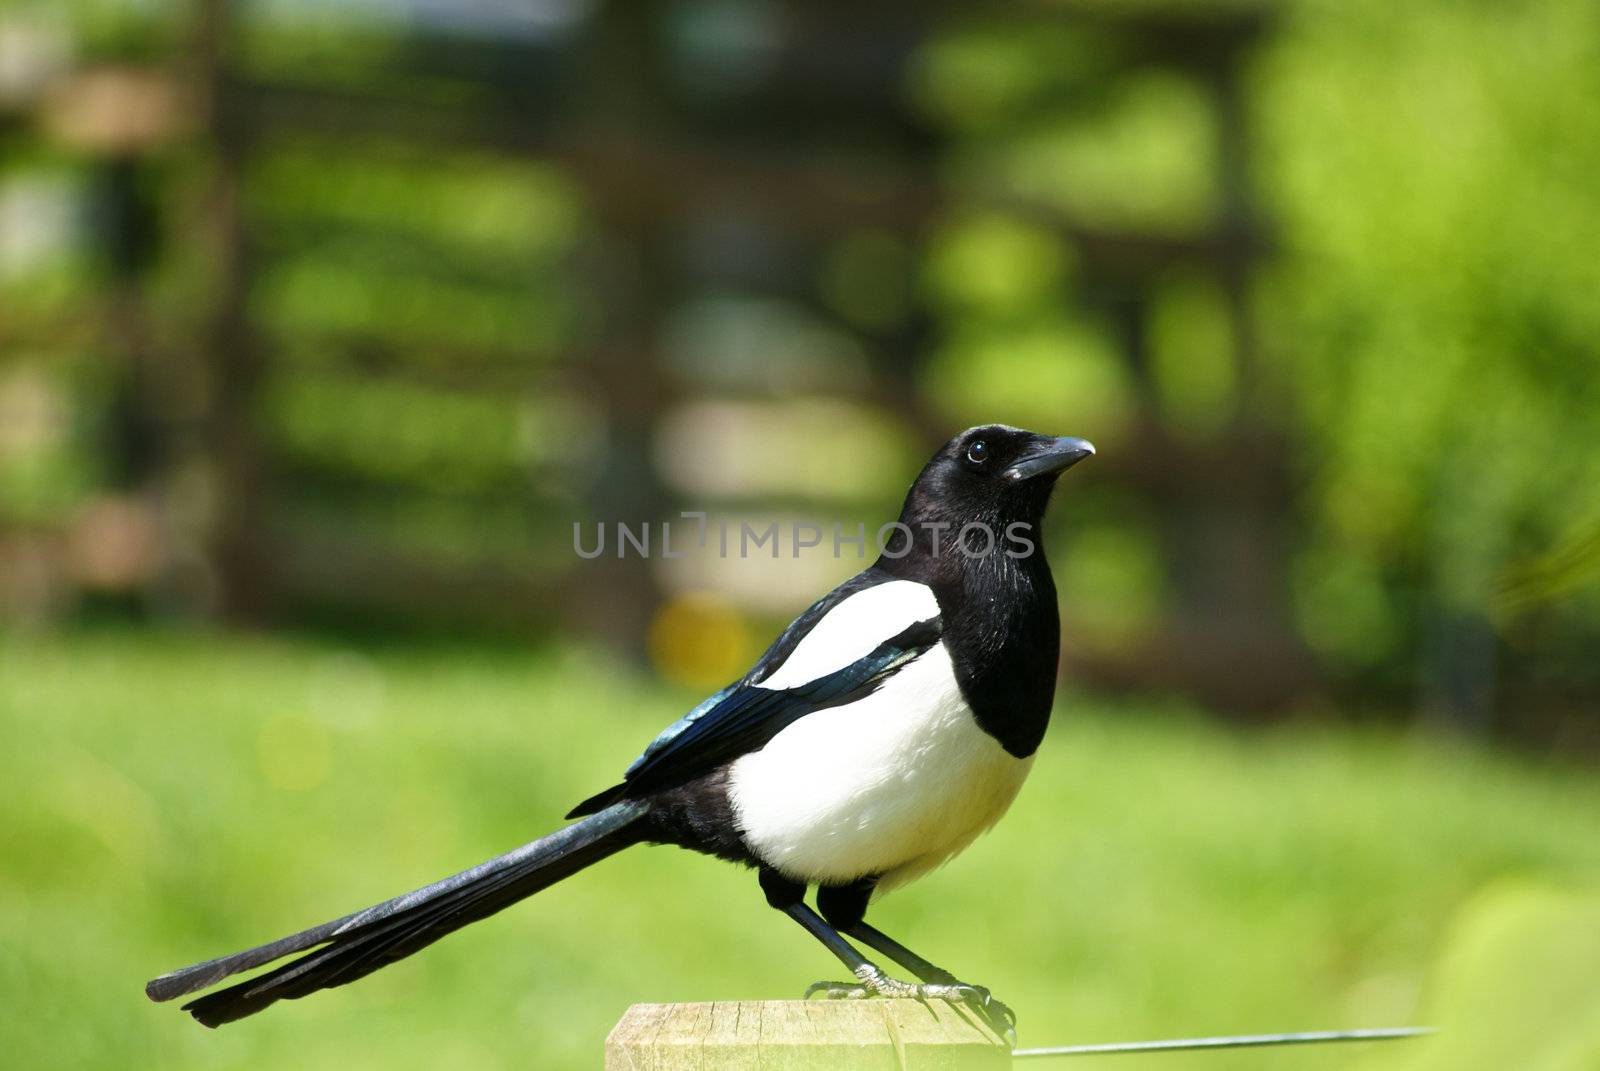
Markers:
870,979
788,896
876,939
845,907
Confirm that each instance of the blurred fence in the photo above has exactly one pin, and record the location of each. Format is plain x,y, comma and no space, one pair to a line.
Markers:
349,312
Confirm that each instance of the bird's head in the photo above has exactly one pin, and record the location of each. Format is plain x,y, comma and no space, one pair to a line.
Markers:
992,475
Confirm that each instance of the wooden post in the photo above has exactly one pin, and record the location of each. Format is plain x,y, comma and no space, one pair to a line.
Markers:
801,1035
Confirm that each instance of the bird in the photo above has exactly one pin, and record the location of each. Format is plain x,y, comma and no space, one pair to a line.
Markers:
884,730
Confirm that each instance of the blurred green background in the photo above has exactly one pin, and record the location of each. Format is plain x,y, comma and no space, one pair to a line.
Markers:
322,326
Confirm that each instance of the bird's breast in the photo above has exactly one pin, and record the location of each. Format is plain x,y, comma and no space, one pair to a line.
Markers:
892,784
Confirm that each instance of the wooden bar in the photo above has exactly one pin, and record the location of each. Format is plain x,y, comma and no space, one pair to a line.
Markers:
802,1035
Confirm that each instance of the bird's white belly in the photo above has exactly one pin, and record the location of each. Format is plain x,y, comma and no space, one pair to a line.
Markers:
893,784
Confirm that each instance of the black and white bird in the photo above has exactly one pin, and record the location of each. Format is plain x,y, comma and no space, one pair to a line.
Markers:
886,728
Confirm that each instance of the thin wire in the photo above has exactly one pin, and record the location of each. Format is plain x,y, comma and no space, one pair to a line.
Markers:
1242,1042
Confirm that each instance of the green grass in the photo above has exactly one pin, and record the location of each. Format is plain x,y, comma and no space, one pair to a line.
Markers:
170,799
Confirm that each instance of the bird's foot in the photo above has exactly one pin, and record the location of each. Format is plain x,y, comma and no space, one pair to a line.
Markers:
1001,1019
872,982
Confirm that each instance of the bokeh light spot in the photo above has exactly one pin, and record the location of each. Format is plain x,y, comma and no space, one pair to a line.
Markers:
699,639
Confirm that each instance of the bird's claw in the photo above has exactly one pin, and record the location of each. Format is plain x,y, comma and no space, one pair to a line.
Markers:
870,982
837,991
998,1015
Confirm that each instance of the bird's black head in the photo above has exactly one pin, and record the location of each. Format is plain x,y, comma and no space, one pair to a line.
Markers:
992,476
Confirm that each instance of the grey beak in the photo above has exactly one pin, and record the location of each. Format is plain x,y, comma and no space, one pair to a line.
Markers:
1051,456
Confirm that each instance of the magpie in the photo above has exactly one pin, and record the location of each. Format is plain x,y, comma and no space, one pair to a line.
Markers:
885,729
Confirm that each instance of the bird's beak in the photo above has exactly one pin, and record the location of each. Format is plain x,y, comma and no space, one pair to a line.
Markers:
1050,456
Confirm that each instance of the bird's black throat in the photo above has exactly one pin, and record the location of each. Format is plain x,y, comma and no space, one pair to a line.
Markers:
1001,623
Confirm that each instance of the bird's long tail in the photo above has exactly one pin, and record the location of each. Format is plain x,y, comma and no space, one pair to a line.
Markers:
358,944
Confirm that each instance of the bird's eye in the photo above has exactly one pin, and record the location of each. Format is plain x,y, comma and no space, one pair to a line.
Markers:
978,452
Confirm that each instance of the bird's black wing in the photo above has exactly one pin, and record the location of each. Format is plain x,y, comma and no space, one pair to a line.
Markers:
743,717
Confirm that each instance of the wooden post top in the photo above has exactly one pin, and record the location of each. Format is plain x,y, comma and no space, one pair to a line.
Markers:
802,1035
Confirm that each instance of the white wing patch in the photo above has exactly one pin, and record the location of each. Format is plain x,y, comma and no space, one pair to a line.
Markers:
852,629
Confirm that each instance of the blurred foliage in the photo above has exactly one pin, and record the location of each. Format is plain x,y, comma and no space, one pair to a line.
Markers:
992,266
1427,327
450,255
1165,877
1192,347
1548,939
469,442
1057,371
1417,373
1434,312
446,328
